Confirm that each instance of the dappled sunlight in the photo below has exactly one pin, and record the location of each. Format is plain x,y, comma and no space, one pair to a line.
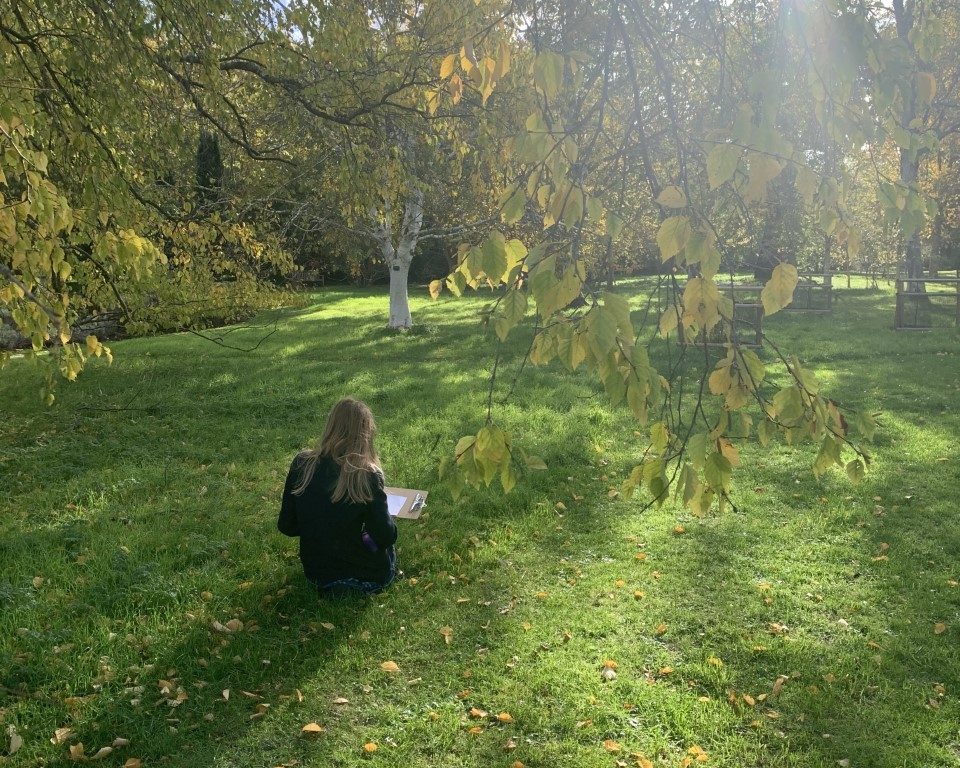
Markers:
159,522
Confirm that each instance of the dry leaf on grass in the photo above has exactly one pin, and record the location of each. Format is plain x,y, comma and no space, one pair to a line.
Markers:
390,666
16,740
312,729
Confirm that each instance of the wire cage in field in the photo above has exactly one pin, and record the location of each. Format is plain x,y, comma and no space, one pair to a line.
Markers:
814,293
926,303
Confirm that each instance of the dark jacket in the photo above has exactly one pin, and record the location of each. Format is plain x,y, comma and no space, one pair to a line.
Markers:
330,545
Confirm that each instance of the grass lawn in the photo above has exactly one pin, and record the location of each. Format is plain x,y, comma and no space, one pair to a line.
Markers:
801,629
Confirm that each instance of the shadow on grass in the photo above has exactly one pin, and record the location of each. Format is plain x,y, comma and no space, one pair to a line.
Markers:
254,412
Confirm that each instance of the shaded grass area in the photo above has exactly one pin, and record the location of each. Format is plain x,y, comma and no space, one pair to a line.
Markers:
141,508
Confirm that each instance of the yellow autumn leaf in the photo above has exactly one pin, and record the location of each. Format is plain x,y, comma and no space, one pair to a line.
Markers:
446,66
312,729
505,717
939,628
611,746
61,735
389,666
661,628
133,762
370,747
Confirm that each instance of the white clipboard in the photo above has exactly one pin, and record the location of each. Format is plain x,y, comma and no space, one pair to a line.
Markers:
405,503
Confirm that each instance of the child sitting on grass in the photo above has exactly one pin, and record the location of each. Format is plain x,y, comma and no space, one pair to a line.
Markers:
334,501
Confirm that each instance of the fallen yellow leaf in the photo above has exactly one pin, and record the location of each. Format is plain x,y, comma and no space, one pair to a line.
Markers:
389,666
661,628
133,762
312,729
61,735
370,747
939,628
505,717
475,712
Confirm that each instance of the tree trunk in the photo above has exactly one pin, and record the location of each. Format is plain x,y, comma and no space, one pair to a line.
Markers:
399,305
909,159
398,258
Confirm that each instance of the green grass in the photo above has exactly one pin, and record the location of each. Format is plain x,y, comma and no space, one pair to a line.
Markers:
142,507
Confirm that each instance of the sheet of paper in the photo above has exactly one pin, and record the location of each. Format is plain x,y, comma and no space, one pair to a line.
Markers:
395,503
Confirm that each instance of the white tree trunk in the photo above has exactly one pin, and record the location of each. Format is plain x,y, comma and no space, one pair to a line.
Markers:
399,305
398,258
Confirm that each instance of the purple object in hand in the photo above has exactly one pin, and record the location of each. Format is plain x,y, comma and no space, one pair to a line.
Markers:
368,541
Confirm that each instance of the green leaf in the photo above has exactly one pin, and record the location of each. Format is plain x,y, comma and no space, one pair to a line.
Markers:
766,429
548,73
513,203
535,462
926,88
672,236
494,261
601,331
717,471
659,436
620,307
778,292
697,449
722,163
855,470
614,224
672,197
788,405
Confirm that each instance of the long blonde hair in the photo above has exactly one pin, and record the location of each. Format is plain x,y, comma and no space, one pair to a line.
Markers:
348,440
